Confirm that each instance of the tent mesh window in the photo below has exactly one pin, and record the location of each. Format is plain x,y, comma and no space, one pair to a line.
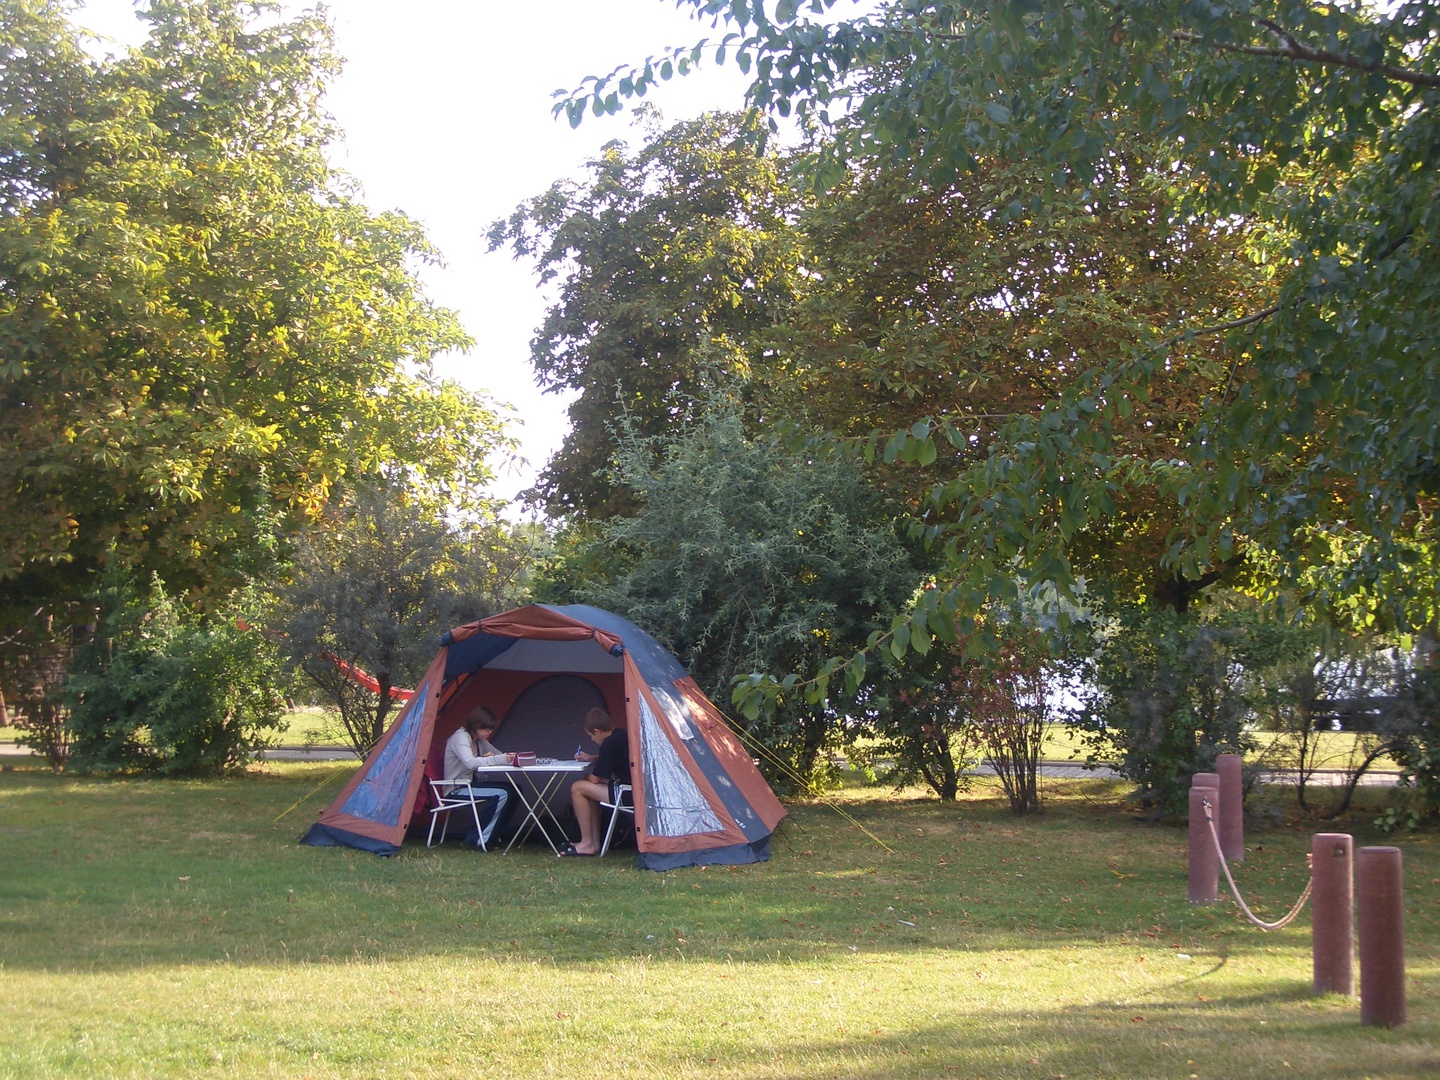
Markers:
673,803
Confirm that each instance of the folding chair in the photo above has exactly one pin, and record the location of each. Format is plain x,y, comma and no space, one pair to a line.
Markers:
623,792
451,795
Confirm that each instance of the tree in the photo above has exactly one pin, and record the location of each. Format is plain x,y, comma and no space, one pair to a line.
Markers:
745,556
1314,125
35,657
670,264
376,581
198,317
971,305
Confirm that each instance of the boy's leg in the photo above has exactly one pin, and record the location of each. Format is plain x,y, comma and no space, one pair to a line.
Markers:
586,796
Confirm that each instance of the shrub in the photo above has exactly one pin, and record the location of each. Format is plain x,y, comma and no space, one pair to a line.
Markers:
1416,742
165,689
747,555
980,696
377,580
1166,693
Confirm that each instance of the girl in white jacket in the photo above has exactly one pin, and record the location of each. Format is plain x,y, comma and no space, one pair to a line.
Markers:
470,749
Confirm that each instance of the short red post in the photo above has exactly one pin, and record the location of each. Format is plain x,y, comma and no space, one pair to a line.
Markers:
1332,913
1382,936
1232,807
1204,863
1211,780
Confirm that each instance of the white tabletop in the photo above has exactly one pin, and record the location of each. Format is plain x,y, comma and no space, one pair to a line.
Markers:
560,765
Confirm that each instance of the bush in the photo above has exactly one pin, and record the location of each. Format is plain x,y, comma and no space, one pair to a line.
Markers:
921,720
164,689
979,697
746,555
1168,693
1416,744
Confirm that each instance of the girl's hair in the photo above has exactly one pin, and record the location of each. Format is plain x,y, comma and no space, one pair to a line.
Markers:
481,718
598,719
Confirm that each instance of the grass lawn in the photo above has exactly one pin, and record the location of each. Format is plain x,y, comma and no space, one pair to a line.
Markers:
177,929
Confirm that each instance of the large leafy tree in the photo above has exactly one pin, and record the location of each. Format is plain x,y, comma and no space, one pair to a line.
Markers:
744,555
670,265
199,321
1313,125
972,304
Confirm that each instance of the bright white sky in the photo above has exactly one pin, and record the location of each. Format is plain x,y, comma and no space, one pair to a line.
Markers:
446,109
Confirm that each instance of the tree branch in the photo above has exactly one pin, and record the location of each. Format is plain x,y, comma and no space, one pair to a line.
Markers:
1290,49
1220,328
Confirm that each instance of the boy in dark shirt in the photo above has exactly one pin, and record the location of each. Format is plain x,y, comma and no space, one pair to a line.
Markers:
612,767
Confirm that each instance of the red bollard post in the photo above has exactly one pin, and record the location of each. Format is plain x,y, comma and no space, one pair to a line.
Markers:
1232,807
1382,936
1211,780
1204,863
1332,908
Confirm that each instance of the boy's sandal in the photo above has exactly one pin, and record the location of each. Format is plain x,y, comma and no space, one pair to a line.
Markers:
567,851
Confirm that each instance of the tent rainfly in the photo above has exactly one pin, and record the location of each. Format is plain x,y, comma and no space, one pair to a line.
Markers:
698,796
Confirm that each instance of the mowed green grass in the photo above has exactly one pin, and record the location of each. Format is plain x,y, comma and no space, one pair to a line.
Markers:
177,929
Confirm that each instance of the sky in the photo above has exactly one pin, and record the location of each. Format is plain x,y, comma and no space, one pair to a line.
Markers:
445,105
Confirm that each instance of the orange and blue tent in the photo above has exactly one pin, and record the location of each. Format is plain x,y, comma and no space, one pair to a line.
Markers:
699,799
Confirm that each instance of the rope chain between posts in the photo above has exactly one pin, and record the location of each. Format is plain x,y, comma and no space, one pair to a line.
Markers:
1288,918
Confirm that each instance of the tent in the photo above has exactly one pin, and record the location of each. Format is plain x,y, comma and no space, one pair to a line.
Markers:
698,796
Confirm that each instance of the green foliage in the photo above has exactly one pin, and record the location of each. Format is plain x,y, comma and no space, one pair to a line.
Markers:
165,689
918,714
375,583
188,292
745,556
1417,744
669,264
1312,128
1166,693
